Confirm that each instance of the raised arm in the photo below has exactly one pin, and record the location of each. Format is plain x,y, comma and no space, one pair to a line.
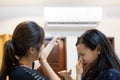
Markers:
67,73
48,49
50,46
79,70
43,60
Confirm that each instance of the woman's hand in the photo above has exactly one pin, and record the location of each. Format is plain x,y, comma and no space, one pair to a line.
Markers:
41,52
50,46
66,74
55,40
79,70
44,52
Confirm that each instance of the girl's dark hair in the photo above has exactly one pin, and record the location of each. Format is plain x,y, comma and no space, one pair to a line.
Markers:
107,59
27,34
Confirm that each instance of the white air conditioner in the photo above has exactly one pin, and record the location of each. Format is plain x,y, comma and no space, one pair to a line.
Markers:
72,17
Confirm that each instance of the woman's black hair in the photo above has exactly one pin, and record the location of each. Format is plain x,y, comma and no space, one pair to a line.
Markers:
107,58
27,34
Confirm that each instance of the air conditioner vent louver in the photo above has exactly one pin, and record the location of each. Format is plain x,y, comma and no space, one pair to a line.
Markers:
72,23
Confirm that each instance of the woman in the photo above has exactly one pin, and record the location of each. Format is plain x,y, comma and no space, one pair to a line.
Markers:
97,60
26,46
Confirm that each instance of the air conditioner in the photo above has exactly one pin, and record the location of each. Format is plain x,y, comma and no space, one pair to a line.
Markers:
72,17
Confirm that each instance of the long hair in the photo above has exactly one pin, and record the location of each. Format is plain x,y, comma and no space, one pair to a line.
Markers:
27,34
107,58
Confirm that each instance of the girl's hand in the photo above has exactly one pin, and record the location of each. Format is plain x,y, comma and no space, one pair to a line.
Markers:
45,51
50,46
41,52
65,73
79,68
55,40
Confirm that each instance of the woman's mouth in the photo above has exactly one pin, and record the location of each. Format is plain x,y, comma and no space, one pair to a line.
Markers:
84,65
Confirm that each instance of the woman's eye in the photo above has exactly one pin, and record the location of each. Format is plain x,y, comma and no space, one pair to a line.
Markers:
82,54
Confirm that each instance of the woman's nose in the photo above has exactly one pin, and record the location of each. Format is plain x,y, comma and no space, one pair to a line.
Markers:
82,59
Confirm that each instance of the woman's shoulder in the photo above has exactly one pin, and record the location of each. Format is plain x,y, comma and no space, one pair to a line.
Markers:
23,73
109,74
18,70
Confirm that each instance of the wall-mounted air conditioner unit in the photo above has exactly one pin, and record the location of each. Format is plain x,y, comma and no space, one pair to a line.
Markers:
72,17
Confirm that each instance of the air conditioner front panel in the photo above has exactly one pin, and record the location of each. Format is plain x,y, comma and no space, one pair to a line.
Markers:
72,17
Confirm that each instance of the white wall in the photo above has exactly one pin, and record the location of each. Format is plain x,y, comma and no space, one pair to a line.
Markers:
10,16
110,26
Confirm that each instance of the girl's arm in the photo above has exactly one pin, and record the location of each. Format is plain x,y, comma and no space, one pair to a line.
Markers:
43,59
66,74
49,71
47,50
79,70
50,46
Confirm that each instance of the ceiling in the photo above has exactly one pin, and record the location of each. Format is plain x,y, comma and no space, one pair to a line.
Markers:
111,8
60,2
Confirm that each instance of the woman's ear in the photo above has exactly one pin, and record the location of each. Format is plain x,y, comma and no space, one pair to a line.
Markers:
98,49
31,50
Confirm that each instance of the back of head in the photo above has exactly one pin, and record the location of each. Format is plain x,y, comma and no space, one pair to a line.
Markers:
27,34
93,38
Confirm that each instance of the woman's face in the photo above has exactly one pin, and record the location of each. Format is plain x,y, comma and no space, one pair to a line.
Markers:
37,53
87,55
41,51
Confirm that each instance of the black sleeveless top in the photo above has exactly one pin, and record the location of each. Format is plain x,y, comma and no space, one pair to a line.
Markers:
24,73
